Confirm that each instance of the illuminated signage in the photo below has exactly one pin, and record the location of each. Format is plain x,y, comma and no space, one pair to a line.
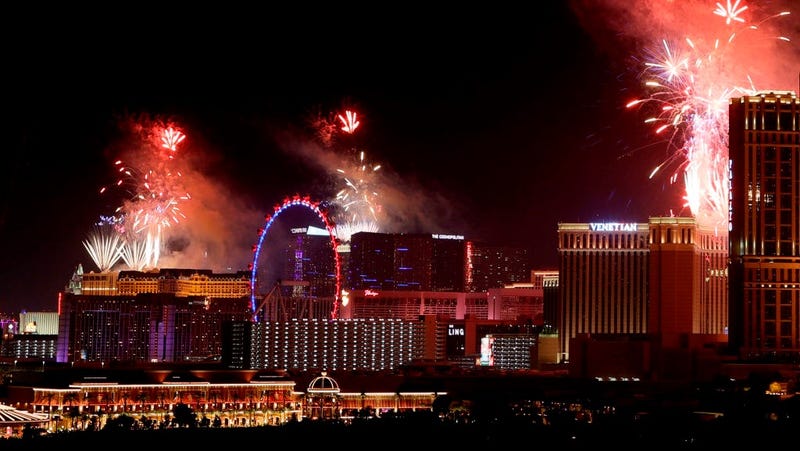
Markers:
370,293
487,358
437,236
454,331
613,226
30,328
297,230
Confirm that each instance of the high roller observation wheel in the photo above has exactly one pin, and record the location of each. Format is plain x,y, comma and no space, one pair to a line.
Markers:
294,202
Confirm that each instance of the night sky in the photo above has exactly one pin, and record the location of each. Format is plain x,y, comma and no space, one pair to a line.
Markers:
492,123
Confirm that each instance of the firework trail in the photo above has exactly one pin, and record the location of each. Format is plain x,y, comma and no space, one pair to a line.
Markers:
153,194
136,254
104,245
691,80
356,206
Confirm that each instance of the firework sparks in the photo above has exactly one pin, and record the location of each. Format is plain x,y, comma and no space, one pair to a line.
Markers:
358,199
346,230
731,12
359,191
691,87
136,253
355,205
171,138
349,124
104,246
153,194
324,128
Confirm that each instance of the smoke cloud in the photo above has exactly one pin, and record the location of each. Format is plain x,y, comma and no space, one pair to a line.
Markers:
759,53
208,227
404,204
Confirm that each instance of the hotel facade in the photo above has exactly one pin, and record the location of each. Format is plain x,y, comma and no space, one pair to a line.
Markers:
664,280
765,225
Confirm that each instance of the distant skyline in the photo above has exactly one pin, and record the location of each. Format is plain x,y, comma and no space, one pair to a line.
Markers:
495,124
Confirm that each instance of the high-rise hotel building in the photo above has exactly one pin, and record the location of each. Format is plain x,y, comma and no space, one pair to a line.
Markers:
665,280
494,266
765,225
431,262
169,315
604,280
308,257
406,261
547,281
334,345
688,292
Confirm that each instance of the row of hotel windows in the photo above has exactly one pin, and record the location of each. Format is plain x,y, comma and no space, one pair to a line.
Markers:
774,297
783,121
784,275
604,241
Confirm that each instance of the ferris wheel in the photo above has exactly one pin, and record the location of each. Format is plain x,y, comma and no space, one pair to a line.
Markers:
265,291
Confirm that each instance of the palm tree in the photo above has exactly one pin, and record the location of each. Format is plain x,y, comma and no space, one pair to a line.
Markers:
69,398
72,413
141,397
161,406
199,398
49,397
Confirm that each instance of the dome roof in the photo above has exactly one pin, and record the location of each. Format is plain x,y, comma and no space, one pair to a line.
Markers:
323,384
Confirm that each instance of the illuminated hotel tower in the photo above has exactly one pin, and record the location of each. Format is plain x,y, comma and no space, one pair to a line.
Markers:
604,280
495,266
666,279
765,225
547,281
308,257
406,262
170,315
688,293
